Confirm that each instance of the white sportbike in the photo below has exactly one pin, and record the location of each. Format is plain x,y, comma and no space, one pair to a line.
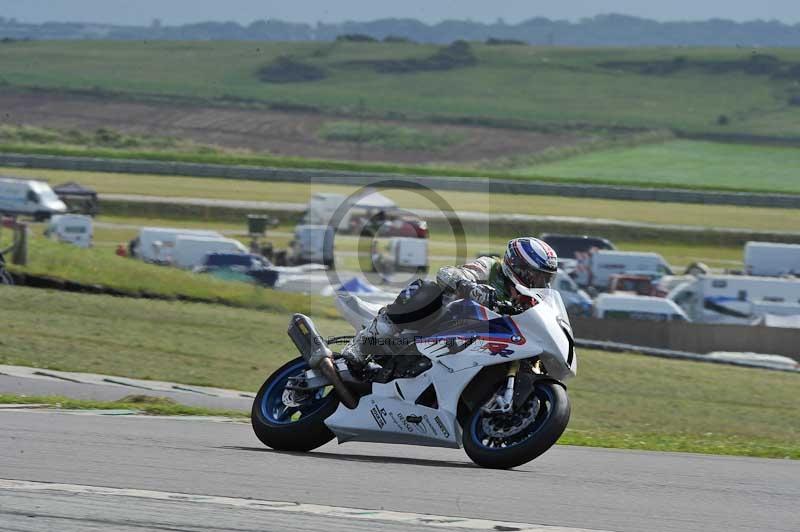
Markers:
488,380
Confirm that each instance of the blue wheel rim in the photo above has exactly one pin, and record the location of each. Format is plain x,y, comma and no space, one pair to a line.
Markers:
478,435
272,407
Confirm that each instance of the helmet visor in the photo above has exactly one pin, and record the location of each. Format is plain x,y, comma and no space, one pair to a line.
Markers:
528,276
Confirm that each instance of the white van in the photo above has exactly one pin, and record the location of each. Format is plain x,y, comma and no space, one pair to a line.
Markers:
312,244
28,197
608,306
596,271
771,259
74,229
157,244
191,251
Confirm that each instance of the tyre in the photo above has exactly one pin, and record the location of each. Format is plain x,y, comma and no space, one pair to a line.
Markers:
500,441
298,429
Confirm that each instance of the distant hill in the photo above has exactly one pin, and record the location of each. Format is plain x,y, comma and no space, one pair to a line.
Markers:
602,30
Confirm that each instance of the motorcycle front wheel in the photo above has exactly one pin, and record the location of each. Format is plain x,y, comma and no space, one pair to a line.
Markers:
509,440
299,428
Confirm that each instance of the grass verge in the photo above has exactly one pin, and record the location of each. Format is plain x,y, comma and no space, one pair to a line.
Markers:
144,404
99,266
619,400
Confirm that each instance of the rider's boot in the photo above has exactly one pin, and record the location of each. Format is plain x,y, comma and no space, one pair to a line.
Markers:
370,340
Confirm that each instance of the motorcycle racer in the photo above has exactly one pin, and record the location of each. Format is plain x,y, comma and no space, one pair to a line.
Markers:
527,261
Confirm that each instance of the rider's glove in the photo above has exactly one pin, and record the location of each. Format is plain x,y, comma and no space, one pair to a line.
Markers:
480,293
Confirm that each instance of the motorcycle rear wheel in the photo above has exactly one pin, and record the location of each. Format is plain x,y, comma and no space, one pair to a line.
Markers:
542,432
297,429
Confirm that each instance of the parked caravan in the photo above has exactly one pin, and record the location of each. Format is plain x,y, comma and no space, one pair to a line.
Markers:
157,244
771,259
74,229
191,250
597,269
630,307
29,198
736,298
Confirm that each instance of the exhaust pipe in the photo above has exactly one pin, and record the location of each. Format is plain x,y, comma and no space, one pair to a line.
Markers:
315,351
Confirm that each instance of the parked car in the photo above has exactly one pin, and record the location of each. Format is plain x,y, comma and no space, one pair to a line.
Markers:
630,307
771,259
30,198
240,267
76,229
640,285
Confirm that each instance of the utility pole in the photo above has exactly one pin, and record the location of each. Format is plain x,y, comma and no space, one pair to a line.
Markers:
360,128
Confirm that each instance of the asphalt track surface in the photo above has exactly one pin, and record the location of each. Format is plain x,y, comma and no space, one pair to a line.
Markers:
570,487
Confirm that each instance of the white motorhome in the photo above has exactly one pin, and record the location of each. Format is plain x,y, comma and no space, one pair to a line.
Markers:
191,250
736,298
351,212
771,259
157,244
74,229
630,307
597,269
30,198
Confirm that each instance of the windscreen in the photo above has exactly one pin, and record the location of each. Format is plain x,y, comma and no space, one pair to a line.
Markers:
549,297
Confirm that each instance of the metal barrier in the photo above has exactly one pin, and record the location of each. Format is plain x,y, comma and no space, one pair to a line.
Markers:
691,337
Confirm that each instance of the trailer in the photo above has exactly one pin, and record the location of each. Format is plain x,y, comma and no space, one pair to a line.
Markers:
771,259
76,229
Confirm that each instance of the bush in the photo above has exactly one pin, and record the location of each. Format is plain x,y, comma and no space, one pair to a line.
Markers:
492,41
795,100
723,120
457,55
285,69
397,38
355,37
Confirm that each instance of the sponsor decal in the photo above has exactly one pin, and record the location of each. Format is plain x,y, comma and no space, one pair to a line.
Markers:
497,349
380,416
445,432
430,425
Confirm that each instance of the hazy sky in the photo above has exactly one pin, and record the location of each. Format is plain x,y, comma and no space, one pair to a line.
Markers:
138,12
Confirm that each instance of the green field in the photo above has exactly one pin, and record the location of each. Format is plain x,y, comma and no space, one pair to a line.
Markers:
522,84
684,163
634,211
619,400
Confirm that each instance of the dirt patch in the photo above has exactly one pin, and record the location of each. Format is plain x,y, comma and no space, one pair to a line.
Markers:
276,132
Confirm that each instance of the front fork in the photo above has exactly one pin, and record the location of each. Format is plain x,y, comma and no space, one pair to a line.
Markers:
503,400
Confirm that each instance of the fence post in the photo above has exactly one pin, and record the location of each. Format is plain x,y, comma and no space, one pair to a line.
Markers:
20,254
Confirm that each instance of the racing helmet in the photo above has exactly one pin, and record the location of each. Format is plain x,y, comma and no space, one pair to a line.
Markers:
530,262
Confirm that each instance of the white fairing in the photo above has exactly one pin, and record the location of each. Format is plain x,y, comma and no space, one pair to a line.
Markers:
457,356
